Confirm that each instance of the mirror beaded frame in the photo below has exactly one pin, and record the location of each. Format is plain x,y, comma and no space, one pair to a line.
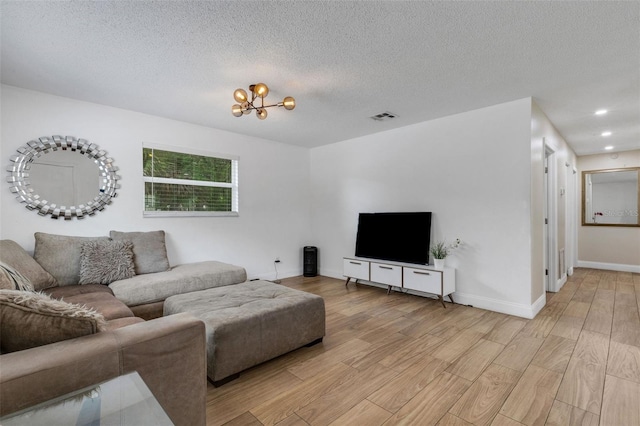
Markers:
21,184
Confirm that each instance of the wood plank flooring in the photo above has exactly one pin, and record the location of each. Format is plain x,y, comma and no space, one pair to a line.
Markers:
402,359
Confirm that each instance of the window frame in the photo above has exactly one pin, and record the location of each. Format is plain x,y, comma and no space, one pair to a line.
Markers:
235,160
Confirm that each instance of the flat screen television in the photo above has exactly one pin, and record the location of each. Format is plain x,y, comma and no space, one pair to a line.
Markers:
401,237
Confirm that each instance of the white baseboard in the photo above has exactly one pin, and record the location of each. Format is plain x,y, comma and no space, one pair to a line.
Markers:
560,283
270,276
509,308
332,274
609,266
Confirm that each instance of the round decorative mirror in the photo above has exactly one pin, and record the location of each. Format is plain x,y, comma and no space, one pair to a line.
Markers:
63,177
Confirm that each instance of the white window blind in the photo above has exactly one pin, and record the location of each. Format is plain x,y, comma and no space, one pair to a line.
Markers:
182,182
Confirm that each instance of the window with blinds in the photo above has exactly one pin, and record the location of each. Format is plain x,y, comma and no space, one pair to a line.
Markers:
180,182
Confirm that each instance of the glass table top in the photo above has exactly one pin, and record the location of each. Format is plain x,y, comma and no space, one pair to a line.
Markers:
124,400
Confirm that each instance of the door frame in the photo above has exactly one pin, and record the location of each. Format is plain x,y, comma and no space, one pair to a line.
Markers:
551,219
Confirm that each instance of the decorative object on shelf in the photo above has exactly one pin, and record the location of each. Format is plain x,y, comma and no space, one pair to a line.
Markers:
440,250
22,173
260,90
439,263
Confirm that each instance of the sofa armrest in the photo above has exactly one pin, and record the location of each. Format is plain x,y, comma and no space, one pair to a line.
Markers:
39,374
169,353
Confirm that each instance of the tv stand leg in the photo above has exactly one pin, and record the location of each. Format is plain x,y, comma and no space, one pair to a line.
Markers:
451,297
346,283
388,290
442,301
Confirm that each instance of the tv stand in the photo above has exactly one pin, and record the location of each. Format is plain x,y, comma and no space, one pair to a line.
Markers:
422,278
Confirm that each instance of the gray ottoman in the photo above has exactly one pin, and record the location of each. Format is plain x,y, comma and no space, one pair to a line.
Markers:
251,322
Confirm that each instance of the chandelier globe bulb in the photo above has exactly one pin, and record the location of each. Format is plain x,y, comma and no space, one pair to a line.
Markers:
289,103
236,110
240,95
261,90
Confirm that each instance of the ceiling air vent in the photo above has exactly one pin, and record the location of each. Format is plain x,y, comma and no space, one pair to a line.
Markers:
385,116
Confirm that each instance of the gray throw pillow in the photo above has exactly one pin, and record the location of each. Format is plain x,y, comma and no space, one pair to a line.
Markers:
15,256
60,255
149,250
103,262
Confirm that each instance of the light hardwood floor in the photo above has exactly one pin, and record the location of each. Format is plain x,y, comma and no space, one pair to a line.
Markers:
402,359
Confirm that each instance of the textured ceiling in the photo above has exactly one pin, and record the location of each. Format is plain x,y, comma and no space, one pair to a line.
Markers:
342,61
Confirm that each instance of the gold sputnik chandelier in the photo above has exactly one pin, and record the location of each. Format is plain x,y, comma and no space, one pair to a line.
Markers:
258,91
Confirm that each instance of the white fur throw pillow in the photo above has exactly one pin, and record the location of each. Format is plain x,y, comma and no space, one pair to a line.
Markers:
33,319
106,261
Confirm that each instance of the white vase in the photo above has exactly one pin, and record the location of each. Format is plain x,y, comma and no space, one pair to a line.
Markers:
439,263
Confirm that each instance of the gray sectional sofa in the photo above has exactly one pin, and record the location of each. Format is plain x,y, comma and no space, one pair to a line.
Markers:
46,352
146,287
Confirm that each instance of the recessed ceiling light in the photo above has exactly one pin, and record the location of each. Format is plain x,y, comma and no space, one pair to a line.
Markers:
608,148
607,133
601,112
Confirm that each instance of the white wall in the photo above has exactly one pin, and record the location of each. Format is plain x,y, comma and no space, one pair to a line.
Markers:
472,170
274,181
609,247
478,172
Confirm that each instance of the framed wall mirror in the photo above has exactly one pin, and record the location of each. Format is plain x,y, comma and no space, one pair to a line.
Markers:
63,177
611,197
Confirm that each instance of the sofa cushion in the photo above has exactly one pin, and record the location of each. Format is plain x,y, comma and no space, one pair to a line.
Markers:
35,319
96,296
107,305
73,290
15,256
185,278
149,250
122,322
11,279
60,255
103,262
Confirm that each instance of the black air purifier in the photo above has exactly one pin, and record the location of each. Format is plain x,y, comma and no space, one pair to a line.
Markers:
310,261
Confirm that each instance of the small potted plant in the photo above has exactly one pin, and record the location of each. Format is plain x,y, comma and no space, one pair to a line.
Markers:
440,250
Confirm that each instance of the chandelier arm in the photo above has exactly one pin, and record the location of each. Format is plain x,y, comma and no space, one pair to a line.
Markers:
251,107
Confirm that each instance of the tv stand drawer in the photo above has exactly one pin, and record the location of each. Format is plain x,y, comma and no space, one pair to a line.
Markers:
384,273
423,280
355,268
